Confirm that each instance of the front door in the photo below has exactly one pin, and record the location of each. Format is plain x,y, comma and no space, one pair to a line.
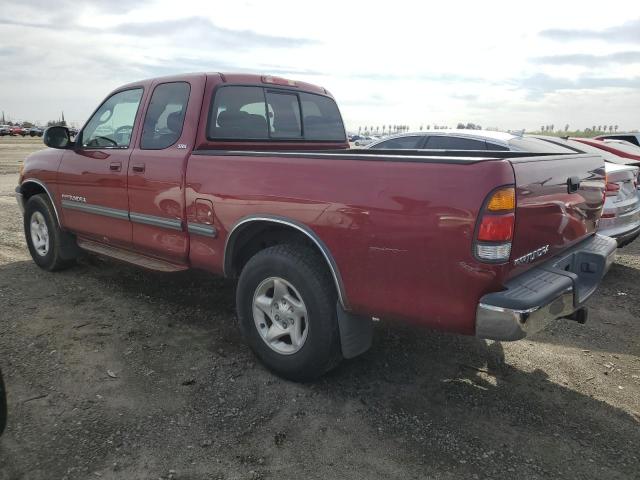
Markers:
92,177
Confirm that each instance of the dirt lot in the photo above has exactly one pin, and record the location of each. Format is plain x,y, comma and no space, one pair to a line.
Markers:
117,373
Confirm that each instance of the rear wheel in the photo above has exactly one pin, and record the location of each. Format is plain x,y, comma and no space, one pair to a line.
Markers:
51,248
286,305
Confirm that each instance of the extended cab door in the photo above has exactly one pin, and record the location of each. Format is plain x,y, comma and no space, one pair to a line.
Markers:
92,176
156,170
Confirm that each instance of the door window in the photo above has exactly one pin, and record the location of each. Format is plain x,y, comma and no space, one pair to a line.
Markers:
446,142
165,115
112,125
400,143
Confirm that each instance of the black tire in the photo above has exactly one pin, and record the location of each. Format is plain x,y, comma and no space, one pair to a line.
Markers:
62,249
3,405
306,271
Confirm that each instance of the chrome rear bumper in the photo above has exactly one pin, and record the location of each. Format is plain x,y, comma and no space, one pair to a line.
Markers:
553,290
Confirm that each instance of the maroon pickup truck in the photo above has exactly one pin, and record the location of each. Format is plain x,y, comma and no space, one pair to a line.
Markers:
251,177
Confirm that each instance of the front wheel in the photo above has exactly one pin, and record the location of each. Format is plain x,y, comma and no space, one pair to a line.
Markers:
51,248
286,305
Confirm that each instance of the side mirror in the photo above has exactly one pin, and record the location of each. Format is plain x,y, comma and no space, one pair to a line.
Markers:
57,137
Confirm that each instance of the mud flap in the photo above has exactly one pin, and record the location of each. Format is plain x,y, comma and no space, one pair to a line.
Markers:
356,333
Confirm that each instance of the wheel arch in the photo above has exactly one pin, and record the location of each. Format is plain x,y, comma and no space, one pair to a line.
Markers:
31,187
250,228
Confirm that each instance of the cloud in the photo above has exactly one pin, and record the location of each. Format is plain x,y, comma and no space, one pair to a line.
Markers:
110,6
628,32
588,60
207,33
540,83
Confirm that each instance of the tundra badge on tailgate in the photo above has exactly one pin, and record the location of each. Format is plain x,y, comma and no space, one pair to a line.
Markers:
531,256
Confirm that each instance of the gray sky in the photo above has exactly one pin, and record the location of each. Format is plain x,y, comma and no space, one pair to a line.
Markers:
492,63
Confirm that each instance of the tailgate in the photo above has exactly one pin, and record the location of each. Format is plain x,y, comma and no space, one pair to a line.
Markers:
559,200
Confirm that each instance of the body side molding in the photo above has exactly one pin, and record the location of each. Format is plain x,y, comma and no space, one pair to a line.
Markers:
238,227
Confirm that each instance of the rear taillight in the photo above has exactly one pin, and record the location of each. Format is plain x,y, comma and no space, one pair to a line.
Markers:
496,222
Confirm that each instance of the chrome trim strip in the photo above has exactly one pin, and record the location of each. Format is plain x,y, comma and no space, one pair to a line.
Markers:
170,223
335,273
200,229
96,209
38,182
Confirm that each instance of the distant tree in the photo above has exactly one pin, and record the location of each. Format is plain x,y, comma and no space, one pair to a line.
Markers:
421,127
615,128
552,129
599,128
610,128
566,127
359,130
27,124
428,127
460,125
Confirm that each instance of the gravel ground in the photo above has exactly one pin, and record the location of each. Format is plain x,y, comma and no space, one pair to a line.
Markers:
113,372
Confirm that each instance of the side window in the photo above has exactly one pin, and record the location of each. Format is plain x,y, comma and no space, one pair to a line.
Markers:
496,147
238,112
165,115
445,142
400,143
111,126
284,115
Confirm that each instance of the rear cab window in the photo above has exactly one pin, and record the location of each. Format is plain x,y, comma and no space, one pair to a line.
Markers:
265,113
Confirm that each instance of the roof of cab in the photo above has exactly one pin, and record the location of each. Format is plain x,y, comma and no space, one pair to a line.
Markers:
231,78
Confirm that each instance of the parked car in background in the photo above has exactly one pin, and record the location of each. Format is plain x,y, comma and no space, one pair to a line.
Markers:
629,137
5,130
16,130
496,246
364,140
622,149
460,139
621,212
35,132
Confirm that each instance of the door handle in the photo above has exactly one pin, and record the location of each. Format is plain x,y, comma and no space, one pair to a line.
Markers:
115,166
138,167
